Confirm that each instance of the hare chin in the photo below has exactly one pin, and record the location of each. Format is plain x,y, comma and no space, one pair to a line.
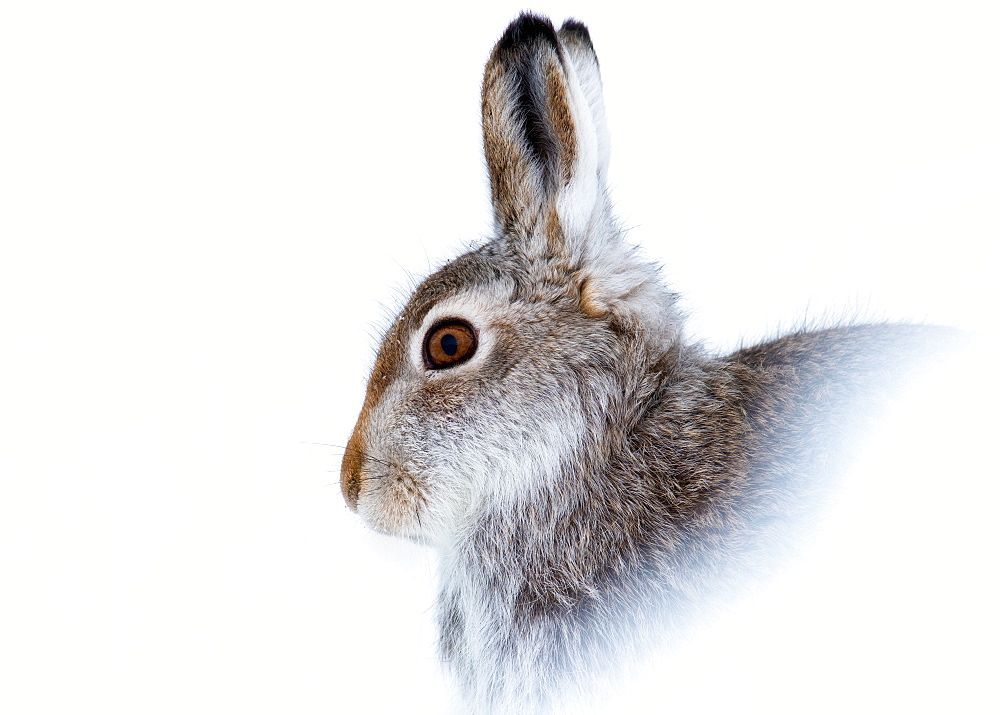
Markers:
393,501
393,511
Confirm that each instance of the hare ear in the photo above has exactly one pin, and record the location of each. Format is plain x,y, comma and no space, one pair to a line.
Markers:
546,155
575,39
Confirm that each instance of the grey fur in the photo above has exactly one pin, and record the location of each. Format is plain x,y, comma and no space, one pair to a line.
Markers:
590,478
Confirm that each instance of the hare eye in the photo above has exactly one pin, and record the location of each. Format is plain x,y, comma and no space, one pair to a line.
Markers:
448,344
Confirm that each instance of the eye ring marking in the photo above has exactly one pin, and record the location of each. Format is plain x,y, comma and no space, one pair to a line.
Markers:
448,343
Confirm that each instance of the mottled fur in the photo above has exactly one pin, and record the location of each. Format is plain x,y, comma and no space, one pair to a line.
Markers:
588,476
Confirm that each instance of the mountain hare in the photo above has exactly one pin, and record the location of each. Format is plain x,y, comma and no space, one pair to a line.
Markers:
588,477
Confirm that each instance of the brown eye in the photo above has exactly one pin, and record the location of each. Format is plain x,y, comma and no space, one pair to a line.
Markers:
449,343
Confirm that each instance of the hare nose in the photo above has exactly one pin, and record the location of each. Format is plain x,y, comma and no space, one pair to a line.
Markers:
350,469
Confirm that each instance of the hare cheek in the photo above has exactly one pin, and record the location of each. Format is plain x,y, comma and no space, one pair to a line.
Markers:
513,453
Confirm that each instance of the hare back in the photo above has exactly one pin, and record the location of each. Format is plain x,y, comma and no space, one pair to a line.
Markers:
661,520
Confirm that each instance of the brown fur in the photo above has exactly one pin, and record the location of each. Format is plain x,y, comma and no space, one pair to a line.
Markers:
561,116
590,478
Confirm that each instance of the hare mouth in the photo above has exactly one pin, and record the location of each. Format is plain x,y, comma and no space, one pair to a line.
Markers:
392,499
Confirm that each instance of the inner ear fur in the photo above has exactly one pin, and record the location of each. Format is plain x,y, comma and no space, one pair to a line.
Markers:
530,128
577,45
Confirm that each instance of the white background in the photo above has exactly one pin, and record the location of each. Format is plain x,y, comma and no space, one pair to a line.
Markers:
208,209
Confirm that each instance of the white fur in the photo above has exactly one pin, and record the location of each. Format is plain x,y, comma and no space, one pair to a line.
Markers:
579,203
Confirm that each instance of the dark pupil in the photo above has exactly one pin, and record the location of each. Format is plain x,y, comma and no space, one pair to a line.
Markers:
449,343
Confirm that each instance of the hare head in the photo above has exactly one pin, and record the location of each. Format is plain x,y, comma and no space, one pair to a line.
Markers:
508,362
535,413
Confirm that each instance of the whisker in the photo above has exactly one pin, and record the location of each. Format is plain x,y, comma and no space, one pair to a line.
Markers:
374,459
356,451
362,479
377,476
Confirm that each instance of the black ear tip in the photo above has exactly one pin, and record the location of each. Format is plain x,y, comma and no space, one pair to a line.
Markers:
527,27
577,30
